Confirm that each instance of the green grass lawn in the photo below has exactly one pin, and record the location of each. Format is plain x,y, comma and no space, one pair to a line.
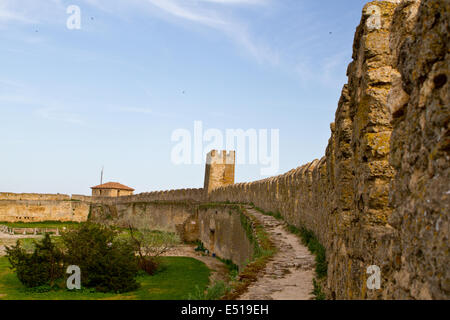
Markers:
177,280
43,224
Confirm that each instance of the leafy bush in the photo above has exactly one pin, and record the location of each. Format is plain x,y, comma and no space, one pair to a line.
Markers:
40,268
40,289
106,264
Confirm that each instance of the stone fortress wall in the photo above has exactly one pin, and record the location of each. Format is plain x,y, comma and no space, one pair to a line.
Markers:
380,194
219,170
33,207
219,226
34,196
169,195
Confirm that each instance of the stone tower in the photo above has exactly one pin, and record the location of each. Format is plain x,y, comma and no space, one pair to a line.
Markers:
219,170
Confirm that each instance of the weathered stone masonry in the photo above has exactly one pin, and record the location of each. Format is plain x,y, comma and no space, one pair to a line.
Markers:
33,207
380,196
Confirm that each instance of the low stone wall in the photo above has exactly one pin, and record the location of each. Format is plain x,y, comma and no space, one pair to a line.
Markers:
28,231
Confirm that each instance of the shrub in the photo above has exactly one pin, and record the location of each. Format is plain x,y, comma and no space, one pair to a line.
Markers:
106,264
200,247
149,264
150,245
213,292
40,268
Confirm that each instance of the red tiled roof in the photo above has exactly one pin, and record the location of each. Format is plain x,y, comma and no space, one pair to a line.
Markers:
113,185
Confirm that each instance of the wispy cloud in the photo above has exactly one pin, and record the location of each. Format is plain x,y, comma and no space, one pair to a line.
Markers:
209,13
326,71
10,83
214,14
60,115
265,46
8,16
29,11
14,94
143,111
135,110
212,17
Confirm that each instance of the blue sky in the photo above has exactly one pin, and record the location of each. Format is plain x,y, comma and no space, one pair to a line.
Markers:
113,92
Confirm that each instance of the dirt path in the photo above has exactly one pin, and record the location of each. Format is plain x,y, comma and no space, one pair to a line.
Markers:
289,275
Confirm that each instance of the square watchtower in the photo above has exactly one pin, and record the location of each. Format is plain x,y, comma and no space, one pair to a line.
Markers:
219,171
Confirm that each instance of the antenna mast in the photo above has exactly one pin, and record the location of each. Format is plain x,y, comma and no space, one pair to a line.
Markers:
101,176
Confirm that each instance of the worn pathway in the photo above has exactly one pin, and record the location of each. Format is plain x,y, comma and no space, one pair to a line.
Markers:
289,275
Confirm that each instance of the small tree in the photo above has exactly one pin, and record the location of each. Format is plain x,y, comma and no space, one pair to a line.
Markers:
149,244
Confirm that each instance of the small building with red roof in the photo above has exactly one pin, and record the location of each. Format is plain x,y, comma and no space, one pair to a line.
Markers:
111,189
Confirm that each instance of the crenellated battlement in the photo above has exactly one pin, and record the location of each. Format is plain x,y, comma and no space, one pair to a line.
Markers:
221,157
219,170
